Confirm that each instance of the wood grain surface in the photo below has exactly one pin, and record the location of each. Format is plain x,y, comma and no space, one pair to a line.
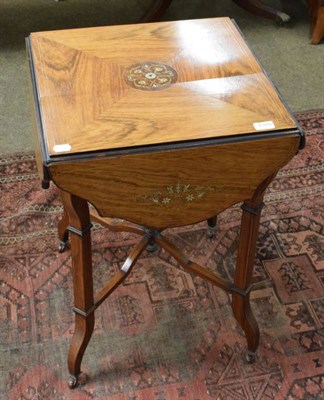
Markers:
86,103
178,187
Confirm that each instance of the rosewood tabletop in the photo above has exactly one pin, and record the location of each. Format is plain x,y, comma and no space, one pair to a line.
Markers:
156,125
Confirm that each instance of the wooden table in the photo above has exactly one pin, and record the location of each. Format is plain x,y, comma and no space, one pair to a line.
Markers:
257,7
158,7
159,125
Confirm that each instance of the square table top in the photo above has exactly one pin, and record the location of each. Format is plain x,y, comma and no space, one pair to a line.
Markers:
126,86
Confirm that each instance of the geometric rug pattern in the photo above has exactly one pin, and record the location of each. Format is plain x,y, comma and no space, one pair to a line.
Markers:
165,334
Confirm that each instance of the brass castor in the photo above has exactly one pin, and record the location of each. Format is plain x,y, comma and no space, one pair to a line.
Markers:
72,381
250,356
62,246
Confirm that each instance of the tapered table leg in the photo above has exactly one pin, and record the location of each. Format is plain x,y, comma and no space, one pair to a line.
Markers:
243,276
258,8
211,226
79,228
156,10
63,232
244,268
317,22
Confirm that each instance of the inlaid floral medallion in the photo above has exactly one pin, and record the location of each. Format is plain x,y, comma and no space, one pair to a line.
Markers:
177,195
150,76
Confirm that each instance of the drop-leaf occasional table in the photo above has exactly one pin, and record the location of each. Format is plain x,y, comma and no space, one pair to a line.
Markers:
156,126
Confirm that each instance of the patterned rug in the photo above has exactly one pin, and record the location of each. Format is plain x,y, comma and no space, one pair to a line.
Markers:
165,334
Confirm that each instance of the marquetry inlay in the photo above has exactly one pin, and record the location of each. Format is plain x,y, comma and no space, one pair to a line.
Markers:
150,76
176,195
111,80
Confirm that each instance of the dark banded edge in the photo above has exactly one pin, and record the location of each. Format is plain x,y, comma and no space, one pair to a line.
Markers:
78,232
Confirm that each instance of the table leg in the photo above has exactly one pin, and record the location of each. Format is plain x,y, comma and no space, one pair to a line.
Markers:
244,268
156,10
79,228
317,23
63,232
211,228
258,8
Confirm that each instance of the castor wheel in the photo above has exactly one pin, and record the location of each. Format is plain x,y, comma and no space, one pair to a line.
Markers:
62,246
151,247
250,356
72,381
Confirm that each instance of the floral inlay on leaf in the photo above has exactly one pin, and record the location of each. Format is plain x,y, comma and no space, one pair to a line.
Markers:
177,195
150,76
